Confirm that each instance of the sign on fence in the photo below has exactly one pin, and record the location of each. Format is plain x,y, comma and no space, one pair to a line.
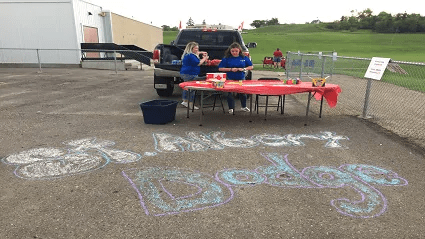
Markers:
376,68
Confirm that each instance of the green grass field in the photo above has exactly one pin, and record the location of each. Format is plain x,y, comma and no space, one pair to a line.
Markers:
314,38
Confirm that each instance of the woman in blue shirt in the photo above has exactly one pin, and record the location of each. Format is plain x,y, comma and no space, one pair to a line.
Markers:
191,69
235,64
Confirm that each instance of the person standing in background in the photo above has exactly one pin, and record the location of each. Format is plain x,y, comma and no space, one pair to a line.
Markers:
277,57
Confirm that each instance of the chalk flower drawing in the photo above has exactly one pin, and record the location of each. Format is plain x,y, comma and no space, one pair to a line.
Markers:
81,156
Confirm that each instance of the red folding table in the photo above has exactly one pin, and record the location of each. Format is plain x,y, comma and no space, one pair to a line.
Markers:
329,92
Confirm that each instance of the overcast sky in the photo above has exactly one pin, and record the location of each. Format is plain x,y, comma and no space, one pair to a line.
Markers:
233,13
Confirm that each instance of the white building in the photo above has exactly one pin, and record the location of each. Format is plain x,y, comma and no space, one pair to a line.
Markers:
51,30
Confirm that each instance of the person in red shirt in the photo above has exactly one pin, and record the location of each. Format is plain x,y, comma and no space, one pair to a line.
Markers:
277,57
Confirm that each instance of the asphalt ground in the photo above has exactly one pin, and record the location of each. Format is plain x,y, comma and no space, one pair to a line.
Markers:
78,161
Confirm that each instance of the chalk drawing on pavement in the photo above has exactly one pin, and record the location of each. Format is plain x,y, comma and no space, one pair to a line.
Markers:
199,141
332,140
360,180
88,154
164,191
80,156
157,189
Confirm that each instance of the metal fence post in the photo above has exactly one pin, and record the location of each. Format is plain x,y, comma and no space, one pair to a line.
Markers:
333,65
115,62
366,100
301,66
39,62
287,69
322,74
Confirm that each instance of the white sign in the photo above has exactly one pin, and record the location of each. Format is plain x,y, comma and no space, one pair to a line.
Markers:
376,68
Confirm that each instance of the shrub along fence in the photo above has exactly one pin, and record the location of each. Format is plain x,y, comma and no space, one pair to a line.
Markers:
396,102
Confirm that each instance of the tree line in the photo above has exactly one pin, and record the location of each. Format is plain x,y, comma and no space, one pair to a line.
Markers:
263,23
381,23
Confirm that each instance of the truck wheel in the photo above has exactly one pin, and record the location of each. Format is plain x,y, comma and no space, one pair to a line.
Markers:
164,85
168,91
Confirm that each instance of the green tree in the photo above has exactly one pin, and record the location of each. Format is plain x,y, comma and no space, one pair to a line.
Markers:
165,28
366,19
400,23
353,23
273,21
384,23
412,22
258,23
421,24
333,25
344,24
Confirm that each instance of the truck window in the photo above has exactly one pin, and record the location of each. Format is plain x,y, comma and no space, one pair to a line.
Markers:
208,38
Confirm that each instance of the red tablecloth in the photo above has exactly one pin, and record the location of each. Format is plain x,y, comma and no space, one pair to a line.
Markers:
329,91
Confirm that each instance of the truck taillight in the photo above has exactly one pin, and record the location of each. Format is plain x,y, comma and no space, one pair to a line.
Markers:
246,53
209,29
156,54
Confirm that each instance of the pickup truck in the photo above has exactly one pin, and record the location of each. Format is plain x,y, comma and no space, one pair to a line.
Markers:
167,58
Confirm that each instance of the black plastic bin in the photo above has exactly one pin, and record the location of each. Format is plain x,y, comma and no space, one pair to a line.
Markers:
159,111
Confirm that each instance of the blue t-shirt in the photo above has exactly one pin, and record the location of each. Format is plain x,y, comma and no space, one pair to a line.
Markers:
235,62
190,65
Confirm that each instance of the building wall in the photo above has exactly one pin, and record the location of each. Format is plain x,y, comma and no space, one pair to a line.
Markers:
90,15
126,31
46,25
51,30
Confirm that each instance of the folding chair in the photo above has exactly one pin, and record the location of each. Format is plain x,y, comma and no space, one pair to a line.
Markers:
280,102
268,61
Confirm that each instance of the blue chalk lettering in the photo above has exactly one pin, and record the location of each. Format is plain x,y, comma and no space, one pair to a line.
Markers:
371,204
159,200
375,175
239,177
282,173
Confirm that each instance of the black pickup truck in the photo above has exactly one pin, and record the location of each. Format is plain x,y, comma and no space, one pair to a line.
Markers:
167,58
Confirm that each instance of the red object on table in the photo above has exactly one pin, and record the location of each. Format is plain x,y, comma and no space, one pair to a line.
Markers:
214,62
330,92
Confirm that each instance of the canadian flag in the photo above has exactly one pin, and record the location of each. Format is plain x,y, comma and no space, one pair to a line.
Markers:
240,27
180,26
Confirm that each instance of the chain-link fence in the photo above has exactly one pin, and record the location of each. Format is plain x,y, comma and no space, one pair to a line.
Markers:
396,102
